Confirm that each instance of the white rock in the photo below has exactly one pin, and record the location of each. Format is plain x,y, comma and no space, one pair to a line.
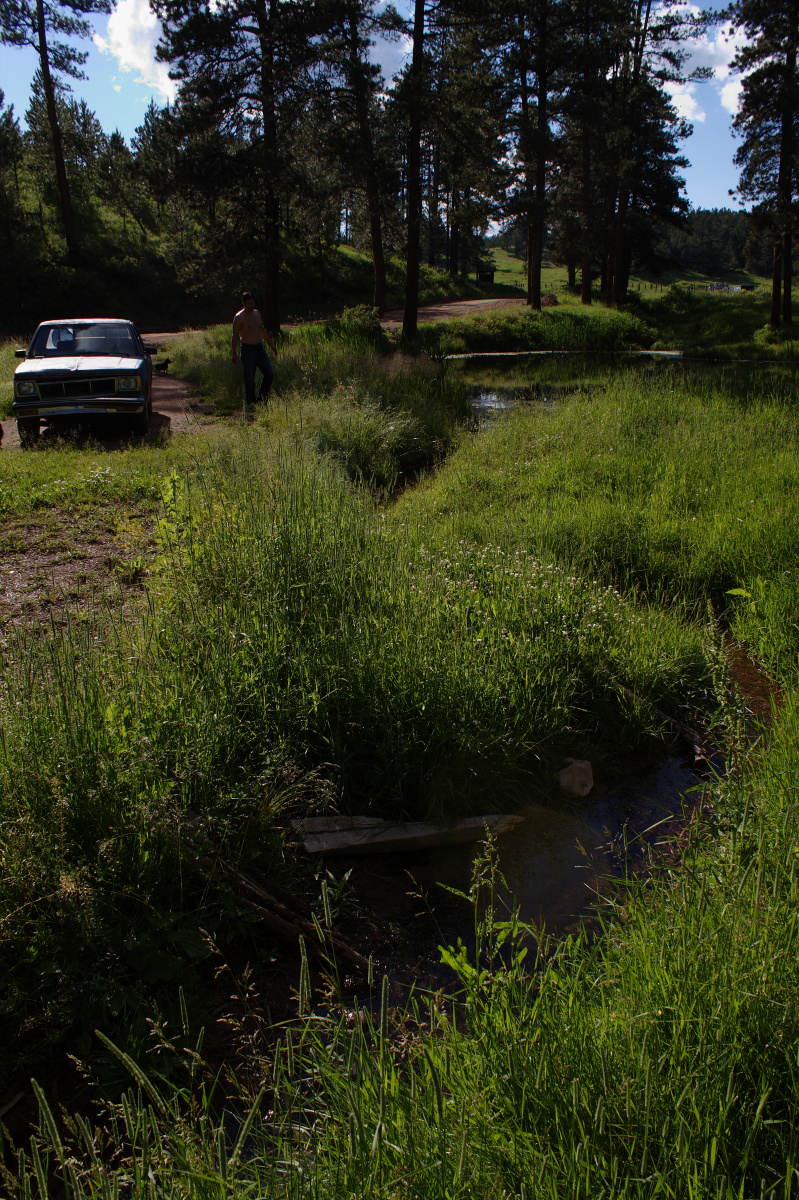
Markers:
577,777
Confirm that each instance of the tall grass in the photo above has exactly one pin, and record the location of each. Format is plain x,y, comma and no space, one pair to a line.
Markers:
300,643
297,646
379,414
600,329
678,491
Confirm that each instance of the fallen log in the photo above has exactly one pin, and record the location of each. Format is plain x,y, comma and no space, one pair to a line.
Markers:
284,924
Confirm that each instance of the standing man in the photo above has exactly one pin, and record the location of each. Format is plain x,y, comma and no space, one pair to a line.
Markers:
248,334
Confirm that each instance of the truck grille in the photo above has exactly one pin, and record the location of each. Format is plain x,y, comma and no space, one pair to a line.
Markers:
77,387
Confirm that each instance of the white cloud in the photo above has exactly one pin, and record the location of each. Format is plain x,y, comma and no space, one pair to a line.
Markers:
132,34
716,50
685,101
731,95
391,55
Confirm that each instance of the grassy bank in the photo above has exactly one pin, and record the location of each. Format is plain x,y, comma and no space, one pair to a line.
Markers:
342,388
698,323
650,484
519,328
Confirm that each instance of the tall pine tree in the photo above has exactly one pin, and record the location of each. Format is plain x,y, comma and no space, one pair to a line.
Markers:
768,120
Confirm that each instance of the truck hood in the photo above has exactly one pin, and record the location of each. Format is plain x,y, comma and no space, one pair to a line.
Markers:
59,368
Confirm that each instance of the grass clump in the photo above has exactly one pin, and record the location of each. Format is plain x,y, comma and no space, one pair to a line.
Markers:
568,328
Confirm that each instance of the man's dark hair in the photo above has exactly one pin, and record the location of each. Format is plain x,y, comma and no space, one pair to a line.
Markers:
247,296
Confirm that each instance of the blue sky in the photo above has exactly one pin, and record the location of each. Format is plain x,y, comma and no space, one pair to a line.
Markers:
123,76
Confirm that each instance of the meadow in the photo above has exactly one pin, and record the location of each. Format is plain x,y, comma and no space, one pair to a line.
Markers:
313,632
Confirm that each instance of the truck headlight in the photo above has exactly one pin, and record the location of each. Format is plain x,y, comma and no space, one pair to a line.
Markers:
26,387
128,383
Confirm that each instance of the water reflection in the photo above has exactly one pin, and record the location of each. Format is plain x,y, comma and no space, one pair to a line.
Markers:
496,384
554,859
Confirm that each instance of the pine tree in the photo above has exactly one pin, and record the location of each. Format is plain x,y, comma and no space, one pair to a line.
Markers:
251,63
768,120
352,25
32,23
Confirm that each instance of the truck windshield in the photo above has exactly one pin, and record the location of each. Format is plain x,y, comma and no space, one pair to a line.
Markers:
60,341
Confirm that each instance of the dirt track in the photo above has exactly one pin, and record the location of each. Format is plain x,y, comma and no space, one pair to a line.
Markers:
393,316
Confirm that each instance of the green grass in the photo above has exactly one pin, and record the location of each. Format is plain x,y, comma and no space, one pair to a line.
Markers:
7,364
301,642
346,391
512,272
567,328
70,475
676,491
294,632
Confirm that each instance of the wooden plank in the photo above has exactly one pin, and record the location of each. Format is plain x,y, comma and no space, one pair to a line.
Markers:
368,835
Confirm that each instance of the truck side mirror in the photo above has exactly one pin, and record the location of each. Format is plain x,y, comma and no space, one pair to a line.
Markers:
20,354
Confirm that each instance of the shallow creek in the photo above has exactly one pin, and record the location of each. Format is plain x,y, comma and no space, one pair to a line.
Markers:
555,859
554,862
499,382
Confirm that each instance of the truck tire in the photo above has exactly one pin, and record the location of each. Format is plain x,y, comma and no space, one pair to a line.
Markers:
141,422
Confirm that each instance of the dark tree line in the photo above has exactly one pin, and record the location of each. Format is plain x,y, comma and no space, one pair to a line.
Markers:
551,116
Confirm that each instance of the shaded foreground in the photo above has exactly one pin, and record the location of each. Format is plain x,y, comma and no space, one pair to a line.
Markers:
300,645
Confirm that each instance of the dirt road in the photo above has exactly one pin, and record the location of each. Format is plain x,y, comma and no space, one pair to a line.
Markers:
448,309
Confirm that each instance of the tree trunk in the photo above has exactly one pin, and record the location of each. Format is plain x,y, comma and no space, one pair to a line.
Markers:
585,262
785,181
542,131
776,282
432,235
411,317
454,248
571,268
619,290
370,167
55,134
270,308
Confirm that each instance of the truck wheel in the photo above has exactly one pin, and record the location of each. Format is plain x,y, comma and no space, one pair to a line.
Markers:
28,430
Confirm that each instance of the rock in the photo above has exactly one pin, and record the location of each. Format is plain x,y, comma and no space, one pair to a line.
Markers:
549,301
577,777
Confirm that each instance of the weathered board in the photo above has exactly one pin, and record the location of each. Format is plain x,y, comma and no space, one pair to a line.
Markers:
370,835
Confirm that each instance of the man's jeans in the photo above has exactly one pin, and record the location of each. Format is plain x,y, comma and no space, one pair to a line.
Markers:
252,357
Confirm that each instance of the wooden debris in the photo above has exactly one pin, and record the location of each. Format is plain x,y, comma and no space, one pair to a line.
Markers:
370,835
703,748
284,924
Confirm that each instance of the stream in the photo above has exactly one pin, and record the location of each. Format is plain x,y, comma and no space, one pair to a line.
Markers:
553,860
496,383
